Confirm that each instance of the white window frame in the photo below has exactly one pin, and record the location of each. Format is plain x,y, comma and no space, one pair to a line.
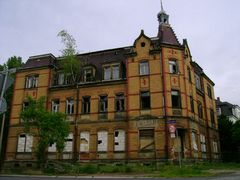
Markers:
55,105
84,141
102,141
144,68
70,106
111,72
25,143
68,145
119,140
173,67
32,81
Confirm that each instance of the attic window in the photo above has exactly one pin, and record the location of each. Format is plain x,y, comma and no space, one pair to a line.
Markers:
143,44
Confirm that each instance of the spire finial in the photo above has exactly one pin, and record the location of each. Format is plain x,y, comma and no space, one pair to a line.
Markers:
161,6
162,15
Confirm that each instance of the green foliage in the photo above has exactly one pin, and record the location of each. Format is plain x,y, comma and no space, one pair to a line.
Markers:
14,62
1,67
236,134
70,64
51,127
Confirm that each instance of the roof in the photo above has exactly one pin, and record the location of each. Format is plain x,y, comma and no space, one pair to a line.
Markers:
39,61
166,35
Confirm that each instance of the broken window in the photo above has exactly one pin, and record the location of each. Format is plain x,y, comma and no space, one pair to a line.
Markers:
52,147
102,140
55,105
86,105
203,145
212,117
145,100
68,146
176,99
119,140
200,110
194,141
25,142
84,141
192,104
69,106
173,67
198,82
209,91
119,102
146,139
31,81
103,103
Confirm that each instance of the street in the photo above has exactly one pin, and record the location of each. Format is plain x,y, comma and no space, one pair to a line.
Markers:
234,176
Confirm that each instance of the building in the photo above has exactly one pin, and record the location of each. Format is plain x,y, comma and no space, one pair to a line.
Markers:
142,102
232,112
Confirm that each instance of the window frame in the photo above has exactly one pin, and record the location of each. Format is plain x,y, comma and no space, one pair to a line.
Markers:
71,104
179,100
144,69
111,71
103,102
27,138
173,66
209,91
86,104
119,97
53,105
145,96
31,81
85,72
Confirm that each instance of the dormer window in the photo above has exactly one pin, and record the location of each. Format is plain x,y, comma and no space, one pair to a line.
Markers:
88,74
111,72
31,81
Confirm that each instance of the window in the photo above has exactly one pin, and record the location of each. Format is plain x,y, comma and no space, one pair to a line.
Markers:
209,91
60,79
176,99
70,106
111,72
144,68
25,105
84,141
146,139
203,145
25,142
119,140
86,104
173,67
52,147
219,111
194,141
31,81
145,100
189,75
198,82
103,103
200,110
55,105
212,117
102,139
119,102
192,104
68,146
215,146
87,74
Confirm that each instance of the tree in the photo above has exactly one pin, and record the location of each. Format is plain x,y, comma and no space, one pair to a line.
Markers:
14,62
73,67
51,127
236,137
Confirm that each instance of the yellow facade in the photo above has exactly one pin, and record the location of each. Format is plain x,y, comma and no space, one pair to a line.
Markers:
160,92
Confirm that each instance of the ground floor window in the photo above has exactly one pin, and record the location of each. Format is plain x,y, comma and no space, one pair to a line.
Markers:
102,140
146,139
84,141
25,142
119,140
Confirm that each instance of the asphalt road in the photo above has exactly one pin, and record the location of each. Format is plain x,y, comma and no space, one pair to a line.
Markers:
234,176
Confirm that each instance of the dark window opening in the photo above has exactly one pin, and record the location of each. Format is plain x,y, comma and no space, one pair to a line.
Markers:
176,99
145,100
209,91
143,44
200,110
119,102
86,105
192,104
103,103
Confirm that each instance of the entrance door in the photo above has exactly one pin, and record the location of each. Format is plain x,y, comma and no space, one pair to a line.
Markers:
146,143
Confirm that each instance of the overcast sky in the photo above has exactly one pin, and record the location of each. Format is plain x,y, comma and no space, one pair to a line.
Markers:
212,27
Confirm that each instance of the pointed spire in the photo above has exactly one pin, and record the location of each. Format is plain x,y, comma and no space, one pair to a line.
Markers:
163,16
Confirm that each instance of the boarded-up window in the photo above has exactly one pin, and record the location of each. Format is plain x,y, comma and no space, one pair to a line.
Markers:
52,147
68,143
146,139
84,141
102,138
119,140
194,141
203,145
25,142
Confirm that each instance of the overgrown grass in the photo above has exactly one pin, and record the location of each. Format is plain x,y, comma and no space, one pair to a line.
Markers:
163,170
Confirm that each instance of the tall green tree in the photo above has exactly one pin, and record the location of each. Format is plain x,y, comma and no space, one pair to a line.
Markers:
14,62
72,66
51,127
